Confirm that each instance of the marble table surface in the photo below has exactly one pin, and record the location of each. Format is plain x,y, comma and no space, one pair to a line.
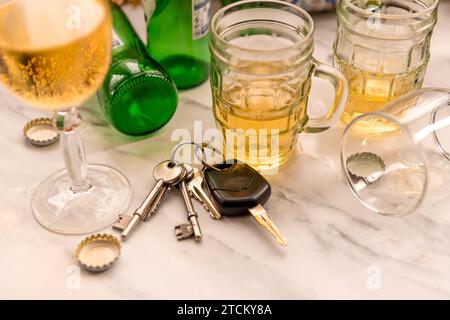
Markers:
337,248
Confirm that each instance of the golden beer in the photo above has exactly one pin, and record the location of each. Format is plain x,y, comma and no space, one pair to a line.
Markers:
382,47
62,69
371,91
261,73
260,118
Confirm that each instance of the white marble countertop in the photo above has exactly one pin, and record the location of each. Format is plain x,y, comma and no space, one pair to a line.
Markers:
337,248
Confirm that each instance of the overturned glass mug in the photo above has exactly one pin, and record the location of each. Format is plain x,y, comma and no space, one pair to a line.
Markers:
404,157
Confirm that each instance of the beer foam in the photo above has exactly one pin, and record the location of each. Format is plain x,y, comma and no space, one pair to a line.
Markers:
263,42
31,24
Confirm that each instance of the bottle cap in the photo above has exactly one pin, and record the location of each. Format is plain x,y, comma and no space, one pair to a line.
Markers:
41,132
98,252
365,166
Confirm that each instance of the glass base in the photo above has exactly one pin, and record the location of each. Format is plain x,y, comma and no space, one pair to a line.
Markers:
59,209
186,71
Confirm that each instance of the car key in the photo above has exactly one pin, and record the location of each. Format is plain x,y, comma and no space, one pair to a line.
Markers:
238,189
195,188
192,229
165,175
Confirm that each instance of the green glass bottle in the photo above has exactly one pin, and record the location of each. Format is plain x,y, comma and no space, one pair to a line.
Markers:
178,38
138,96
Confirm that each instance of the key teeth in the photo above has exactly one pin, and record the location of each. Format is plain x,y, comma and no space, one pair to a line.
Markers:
284,242
119,223
178,232
193,195
203,203
152,212
155,208
184,231
211,214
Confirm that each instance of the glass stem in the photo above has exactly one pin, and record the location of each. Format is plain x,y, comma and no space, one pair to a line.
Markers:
67,122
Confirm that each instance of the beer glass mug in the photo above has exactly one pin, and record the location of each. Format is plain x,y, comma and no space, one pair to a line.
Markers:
261,73
393,170
382,47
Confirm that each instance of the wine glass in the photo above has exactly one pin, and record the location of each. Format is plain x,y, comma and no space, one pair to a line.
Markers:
397,158
54,54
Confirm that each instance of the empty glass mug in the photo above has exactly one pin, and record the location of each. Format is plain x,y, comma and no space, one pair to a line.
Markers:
393,170
382,47
261,73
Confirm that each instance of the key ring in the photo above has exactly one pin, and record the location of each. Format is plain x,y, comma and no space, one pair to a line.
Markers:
198,147
182,144
204,162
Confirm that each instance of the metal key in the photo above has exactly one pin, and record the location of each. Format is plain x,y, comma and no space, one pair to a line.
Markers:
165,174
195,188
155,204
192,229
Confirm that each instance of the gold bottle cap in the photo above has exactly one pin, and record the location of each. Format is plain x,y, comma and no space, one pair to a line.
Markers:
41,132
365,166
98,252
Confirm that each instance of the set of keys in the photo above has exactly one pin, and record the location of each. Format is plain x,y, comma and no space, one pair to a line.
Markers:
168,175
235,189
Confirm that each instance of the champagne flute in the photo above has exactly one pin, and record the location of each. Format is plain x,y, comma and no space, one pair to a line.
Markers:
54,54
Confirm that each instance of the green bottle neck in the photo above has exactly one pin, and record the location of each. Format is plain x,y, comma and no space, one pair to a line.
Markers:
124,36
127,44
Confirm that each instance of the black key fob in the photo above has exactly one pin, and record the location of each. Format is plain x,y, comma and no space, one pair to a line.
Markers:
236,188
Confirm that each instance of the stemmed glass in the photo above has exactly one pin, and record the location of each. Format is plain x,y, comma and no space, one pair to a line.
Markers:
396,158
54,54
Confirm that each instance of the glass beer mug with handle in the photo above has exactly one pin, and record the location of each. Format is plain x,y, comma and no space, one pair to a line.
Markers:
382,47
54,54
407,159
261,73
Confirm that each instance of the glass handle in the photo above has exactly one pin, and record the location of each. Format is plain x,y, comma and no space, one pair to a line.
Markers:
340,84
73,150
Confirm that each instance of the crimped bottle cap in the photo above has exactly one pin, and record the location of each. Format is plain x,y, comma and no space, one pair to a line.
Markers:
41,132
365,166
98,252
